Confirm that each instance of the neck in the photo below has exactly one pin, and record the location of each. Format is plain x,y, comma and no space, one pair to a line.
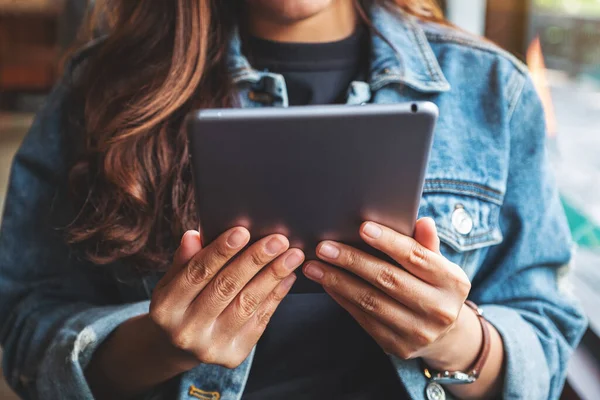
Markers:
335,22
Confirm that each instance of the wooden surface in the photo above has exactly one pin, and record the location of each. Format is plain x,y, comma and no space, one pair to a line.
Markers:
29,52
30,6
506,24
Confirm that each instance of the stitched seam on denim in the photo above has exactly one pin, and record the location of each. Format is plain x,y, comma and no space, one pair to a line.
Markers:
245,75
469,239
448,238
421,39
475,44
514,99
464,187
511,87
437,86
466,256
466,183
466,245
463,192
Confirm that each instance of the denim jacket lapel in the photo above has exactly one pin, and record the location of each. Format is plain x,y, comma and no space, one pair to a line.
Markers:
404,56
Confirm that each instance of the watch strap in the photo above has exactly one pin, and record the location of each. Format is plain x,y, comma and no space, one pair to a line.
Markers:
472,374
475,370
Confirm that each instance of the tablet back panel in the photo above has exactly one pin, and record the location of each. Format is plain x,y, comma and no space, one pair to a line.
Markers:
310,173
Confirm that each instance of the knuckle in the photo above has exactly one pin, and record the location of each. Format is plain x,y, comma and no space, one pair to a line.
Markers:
220,251
423,337
331,280
182,339
207,355
368,302
392,241
159,316
238,359
408,354
352,258
258,258
464,286
386,278
263,318
197,272
417,254
277,296
445,316
458,281
231,363
277,274
247,304
224,286
233,359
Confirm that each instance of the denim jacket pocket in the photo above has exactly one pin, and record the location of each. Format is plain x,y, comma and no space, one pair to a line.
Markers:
467,218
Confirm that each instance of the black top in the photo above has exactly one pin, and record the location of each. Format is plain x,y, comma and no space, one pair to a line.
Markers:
312,348
315,73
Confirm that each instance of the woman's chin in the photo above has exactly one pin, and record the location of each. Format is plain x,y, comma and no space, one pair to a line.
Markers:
291,10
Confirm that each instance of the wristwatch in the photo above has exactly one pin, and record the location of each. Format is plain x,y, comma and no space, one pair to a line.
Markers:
471,375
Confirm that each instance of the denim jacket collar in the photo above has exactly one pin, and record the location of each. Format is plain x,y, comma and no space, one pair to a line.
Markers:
404,56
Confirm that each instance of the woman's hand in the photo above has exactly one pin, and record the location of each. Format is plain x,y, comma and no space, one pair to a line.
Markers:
213,310
207,308
410,310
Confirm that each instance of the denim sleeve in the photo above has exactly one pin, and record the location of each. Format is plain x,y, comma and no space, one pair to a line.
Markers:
55,309
518,285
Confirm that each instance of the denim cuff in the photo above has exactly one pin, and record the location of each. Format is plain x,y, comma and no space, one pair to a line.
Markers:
61,374
526,372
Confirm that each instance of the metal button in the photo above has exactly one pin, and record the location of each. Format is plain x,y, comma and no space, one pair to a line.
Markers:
435,391
462,221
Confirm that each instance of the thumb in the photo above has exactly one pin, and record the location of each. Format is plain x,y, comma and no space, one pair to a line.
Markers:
426,234
190,245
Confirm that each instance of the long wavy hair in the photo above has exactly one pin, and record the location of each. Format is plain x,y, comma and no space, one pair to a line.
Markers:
132,179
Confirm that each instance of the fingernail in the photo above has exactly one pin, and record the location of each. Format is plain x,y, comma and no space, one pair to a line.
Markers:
372,230
313,271
434,224
274,246
288,282
328,250
237,238
293,260
183,237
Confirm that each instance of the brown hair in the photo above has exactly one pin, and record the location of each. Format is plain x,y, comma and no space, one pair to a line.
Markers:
132,180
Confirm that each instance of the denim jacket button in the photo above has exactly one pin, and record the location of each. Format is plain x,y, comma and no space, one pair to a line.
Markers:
435,391
462,221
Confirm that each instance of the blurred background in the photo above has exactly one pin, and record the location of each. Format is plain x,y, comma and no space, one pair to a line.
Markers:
558,39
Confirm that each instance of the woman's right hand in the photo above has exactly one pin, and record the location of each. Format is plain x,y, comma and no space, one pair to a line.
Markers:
213,310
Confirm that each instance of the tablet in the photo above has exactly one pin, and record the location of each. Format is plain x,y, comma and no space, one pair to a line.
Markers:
310,173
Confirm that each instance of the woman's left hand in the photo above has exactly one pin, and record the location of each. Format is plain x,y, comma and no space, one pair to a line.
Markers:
408,310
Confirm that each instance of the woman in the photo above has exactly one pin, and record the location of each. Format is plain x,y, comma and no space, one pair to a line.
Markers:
116,304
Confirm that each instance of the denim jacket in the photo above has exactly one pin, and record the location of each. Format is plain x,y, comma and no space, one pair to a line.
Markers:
488,187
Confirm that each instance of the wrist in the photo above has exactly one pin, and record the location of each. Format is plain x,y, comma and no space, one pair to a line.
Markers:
460,347
172,358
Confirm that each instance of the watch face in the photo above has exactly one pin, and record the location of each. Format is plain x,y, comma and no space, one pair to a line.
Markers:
450,381
457,378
